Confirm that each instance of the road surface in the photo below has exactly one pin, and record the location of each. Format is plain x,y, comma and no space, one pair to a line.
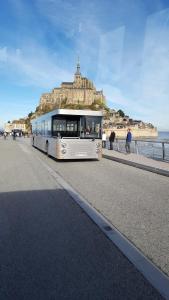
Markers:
49,248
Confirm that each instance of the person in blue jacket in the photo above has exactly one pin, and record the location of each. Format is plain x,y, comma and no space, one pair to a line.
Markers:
128,140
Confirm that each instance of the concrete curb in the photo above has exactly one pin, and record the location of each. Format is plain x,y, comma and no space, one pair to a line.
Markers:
137,165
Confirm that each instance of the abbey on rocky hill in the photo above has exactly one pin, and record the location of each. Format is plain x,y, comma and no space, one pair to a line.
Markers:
80,91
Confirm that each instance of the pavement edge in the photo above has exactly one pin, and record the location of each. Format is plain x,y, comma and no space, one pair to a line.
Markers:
137,165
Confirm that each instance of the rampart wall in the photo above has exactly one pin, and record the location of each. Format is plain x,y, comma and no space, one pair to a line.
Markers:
136,133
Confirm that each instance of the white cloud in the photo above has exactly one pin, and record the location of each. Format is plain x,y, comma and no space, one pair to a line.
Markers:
67,15
109,49
3,54
80,27
32,66
155,69
110,55
140,83
155,73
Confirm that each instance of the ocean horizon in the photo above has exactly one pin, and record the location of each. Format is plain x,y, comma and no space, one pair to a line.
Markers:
163,135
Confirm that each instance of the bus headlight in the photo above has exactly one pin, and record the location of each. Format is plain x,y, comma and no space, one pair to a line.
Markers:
98,145
63,151
63,145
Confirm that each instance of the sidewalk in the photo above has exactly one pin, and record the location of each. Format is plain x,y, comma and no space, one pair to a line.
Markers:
138,161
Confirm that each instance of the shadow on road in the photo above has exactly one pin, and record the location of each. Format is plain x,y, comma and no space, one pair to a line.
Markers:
50,249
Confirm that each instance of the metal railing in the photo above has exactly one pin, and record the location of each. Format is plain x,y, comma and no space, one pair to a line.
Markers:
150,148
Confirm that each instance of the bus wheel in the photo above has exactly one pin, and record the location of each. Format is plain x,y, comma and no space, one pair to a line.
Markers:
47,144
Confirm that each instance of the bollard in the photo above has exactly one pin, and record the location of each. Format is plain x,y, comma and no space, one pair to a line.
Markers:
163,150
117,143
136,147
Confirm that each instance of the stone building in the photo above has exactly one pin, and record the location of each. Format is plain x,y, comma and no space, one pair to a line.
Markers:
15,125
111,118
80,91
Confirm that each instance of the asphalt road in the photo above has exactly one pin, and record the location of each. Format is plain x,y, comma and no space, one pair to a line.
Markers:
133,200
49,248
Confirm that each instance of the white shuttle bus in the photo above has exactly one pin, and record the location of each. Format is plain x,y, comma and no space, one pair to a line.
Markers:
69,134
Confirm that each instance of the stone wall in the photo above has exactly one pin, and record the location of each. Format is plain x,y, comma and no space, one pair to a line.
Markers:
136,132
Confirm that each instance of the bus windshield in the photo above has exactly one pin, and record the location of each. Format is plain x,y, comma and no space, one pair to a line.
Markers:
76,126
90,127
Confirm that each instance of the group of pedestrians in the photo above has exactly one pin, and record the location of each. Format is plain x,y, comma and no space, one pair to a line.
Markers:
112,139
6,134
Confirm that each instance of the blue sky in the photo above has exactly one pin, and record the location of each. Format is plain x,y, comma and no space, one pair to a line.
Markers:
123,47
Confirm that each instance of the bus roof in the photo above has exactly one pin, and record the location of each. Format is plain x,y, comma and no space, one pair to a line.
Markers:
71,112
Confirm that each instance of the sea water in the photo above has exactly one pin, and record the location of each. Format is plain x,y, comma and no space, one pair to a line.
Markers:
163,135
153,148
150,147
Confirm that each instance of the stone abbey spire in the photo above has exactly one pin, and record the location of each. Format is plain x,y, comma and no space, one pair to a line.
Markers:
78,67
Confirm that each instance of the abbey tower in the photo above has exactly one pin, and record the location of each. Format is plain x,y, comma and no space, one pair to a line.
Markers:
80,91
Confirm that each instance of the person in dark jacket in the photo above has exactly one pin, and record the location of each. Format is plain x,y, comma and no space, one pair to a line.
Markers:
111,139
128,140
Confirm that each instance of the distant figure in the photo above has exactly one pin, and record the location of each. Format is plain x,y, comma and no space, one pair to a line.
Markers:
5,135
128,140
111,139
14,135
104,139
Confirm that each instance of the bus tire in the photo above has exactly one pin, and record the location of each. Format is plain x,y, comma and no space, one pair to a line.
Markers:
47,145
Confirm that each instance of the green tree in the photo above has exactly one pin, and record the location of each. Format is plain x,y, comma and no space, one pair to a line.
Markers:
30,114
121,113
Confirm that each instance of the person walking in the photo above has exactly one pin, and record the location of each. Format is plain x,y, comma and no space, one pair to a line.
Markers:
128,140
5,135
14,135
104,139
111,139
